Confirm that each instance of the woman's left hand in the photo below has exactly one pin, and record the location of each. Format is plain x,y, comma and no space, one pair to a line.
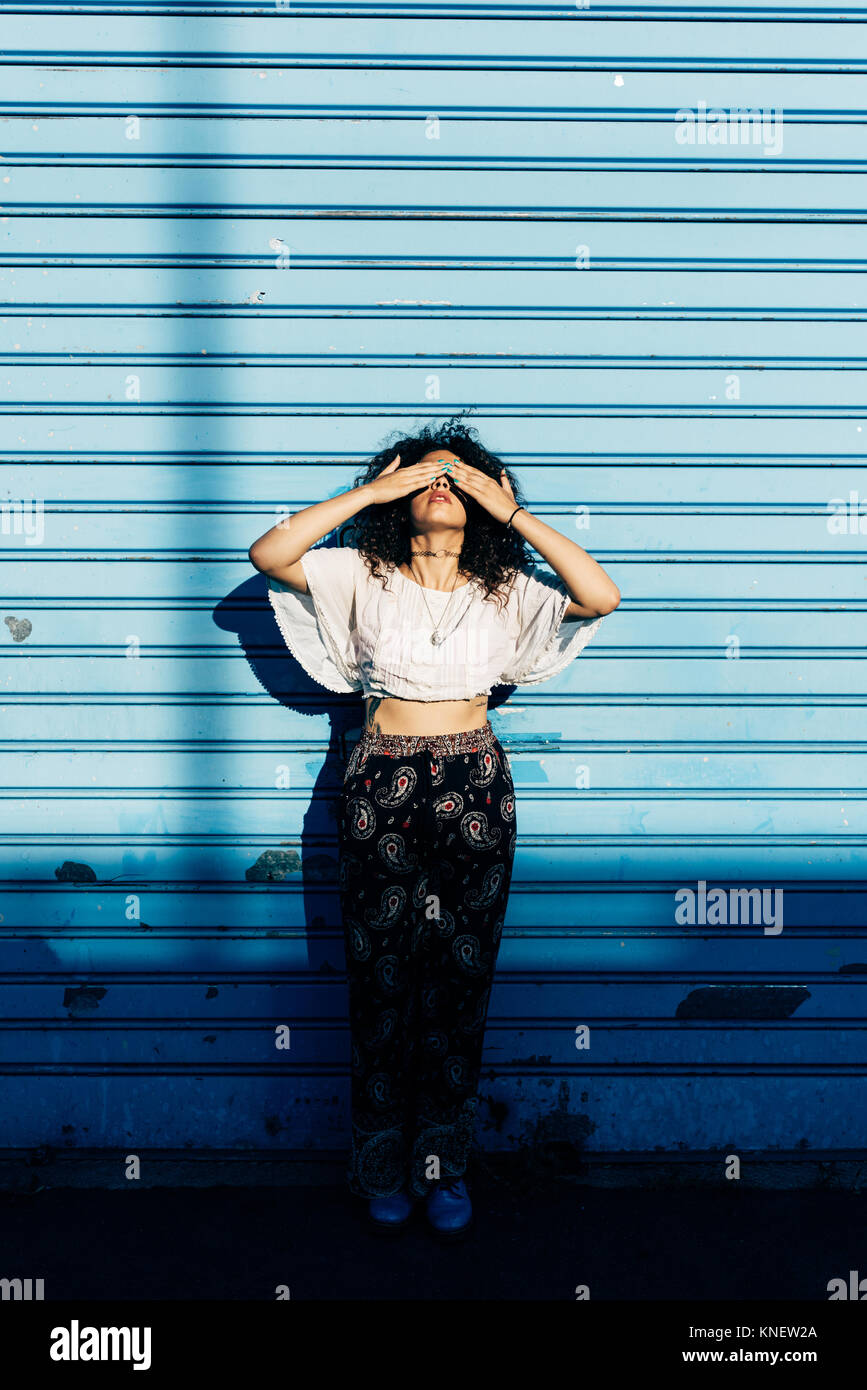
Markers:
591,590
496,497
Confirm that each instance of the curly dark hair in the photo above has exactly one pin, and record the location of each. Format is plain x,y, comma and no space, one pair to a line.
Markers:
491,552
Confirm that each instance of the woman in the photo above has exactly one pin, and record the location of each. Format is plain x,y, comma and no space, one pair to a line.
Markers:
435,604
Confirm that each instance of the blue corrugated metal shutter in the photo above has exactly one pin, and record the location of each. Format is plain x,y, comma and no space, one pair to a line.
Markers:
239,244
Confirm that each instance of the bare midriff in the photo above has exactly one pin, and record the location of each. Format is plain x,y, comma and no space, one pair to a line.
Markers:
392,716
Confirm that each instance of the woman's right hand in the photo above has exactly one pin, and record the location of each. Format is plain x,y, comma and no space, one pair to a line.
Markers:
394,481
278,553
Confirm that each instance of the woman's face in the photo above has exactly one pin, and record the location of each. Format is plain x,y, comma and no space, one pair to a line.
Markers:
438,505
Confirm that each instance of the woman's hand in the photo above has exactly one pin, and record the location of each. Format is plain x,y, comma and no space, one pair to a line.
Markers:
394,481
591,590
279,552
496,497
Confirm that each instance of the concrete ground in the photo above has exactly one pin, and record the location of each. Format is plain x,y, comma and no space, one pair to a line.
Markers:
534,1239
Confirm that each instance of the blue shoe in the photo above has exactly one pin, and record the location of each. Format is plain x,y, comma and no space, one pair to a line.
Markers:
449,1209
390,1214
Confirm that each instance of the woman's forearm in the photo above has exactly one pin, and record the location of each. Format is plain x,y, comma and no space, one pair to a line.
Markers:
294,535
590,587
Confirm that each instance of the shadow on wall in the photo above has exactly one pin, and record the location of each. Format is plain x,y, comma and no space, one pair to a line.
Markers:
311,858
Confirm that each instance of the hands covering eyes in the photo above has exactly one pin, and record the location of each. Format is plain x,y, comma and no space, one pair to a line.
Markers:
496,497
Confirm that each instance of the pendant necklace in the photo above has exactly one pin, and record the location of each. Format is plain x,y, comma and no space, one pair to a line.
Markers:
436,638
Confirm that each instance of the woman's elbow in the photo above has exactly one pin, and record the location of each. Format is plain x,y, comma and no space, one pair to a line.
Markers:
610,602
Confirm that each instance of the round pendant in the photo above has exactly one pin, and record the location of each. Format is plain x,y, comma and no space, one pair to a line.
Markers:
435,638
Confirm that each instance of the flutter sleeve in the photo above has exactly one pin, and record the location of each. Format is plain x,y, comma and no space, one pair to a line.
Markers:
319,627
545,644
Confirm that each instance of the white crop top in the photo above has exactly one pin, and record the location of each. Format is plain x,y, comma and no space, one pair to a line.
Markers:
351,632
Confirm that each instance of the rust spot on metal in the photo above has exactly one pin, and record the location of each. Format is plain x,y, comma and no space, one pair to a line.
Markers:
70,872
320,868
273,866
20,628
742,1001
562,1127
557,1138
498,1110
83,1000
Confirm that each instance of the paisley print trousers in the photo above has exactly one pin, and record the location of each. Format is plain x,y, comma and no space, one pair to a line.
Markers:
427,839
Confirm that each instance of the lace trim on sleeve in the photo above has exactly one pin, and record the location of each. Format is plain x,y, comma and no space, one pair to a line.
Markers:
585,629
295,643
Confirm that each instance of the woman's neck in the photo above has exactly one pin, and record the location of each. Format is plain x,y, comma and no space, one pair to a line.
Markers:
435,558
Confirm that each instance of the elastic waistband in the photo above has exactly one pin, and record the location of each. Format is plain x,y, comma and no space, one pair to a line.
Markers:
443,745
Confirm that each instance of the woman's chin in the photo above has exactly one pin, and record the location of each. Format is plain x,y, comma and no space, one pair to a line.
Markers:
438,515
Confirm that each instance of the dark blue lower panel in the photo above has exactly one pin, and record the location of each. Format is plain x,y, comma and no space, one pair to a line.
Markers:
630,1113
